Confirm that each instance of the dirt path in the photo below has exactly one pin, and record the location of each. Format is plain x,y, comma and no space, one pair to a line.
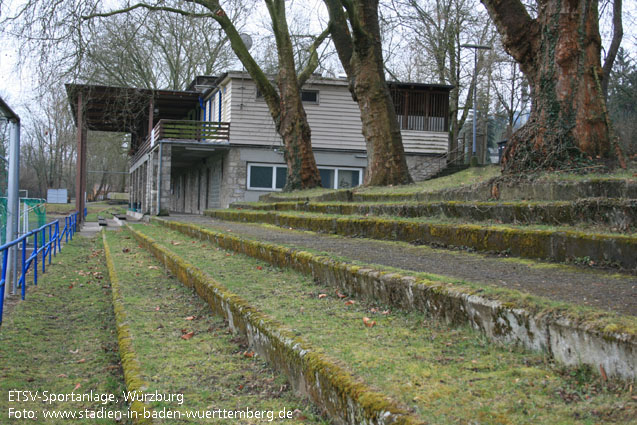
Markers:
558,282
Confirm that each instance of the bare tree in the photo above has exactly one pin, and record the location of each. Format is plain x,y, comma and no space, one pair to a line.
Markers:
49,21
355,29
435,31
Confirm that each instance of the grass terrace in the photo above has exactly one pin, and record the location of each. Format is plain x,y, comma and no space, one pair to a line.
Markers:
444,375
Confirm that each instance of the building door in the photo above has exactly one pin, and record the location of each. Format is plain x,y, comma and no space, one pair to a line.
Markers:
215,185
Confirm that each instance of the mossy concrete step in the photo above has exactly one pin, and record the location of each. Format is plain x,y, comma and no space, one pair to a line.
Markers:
494,189
569,334
341,395
172,345
617,213
551,245
403,354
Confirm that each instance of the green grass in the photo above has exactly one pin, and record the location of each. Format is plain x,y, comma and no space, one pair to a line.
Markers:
214,369
62,339
584,315
93,209
472,176
445,375
443,220
466,177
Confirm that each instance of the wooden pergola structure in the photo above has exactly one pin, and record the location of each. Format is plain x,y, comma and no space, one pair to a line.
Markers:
125,110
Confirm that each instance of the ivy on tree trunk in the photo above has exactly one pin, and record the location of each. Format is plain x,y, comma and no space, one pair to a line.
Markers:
559,52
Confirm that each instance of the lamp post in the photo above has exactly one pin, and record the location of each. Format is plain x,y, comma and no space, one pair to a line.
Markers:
475,48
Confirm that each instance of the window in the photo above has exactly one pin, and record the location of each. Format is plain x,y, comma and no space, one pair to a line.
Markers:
340,178
267,176
307,96
274,177
310,96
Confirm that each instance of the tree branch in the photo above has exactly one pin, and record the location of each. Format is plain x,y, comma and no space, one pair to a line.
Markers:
341,36
313,61
618,34
520,33
148,7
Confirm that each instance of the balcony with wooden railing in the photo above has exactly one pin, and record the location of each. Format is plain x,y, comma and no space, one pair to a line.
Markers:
185,131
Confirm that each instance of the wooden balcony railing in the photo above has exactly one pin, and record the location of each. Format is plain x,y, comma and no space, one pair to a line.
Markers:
198,131
193,130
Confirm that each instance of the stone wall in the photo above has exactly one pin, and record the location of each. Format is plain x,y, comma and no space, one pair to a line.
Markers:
422,166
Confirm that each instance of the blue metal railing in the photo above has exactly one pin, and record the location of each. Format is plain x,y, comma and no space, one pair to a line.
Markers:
47,247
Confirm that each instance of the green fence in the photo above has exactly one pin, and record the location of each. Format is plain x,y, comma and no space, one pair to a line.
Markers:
32,215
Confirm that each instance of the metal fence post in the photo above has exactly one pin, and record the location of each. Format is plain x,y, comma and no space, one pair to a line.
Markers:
23,279
35,265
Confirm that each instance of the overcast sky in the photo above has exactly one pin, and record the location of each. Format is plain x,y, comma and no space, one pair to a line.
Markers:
16,84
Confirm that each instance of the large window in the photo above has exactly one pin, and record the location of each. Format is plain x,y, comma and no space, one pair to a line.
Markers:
267,176
340,178
273,177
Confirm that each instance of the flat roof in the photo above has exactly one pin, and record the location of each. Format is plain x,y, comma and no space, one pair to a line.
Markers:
317,79
7,111
122,109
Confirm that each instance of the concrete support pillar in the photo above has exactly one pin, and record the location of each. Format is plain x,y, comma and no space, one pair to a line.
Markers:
165,184
149,183
80,176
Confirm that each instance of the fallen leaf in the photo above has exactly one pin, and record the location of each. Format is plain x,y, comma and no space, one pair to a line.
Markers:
338,294
157,308
188,335
322,296
190,318
350,302
63,375
77,350
81,361
125,250
259,268
369,322
240,386
386,312
175,243
249,354
153,267
77,386
603,373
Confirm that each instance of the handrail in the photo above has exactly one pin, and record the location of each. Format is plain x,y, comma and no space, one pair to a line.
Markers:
48,247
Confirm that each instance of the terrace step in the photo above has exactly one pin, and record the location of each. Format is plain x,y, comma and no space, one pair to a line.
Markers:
620,214
554,245
498,189
436,373
170,343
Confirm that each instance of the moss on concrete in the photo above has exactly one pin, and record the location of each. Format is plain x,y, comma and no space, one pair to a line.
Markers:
454,303
334,389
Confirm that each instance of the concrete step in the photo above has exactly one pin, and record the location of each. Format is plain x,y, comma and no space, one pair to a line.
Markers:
494,189
402,354
618,214
172,344
553,245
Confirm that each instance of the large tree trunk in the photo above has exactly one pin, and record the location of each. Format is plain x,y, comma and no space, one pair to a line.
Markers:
386,158
360,53
292,122
296,135
559,52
